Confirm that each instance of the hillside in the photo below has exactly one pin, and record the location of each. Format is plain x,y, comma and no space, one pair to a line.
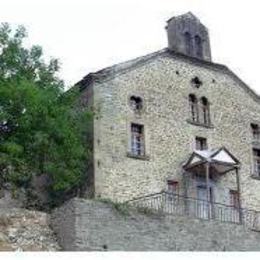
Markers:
24,230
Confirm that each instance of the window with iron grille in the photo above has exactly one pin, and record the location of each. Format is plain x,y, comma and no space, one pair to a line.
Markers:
255,132
256,159
234,200
137,140
201,143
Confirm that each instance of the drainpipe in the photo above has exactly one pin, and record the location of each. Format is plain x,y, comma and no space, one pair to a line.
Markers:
239,199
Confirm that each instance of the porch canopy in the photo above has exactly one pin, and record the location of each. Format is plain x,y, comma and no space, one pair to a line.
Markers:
218,160
212,163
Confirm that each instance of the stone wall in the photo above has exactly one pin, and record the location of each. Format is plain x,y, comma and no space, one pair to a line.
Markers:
176,29
86,225
164,83
63,222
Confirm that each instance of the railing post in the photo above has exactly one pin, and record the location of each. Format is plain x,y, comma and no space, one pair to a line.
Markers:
208,191
169,203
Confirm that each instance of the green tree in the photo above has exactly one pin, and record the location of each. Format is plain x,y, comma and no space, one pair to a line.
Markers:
40,133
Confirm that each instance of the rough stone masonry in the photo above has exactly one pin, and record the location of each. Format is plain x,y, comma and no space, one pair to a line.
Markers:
89,225
164,81
150,114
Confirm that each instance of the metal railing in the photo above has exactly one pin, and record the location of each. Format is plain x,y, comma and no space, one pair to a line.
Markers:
169,203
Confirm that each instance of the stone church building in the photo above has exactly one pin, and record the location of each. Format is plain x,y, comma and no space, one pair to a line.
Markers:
175,121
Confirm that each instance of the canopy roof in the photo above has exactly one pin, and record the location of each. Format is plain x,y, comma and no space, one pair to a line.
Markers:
220,160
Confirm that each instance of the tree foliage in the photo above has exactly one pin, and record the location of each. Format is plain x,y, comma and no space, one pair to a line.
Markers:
39,132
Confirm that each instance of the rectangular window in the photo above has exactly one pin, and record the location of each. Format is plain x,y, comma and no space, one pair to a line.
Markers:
256,159
201,143
173,187
255,132
137,139
234,201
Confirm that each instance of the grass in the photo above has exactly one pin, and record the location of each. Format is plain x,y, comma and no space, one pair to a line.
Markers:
122,208
146,211
125,209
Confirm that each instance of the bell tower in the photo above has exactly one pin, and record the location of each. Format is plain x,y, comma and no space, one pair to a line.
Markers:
187,35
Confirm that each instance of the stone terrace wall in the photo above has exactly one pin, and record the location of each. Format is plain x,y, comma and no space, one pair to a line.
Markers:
63,222
87,225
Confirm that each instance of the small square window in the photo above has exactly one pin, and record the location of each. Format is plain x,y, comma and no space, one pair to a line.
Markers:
201,143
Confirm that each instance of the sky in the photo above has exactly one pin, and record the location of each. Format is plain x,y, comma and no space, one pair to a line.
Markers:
88,35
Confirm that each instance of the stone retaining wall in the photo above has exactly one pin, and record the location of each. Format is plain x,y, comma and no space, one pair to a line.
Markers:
87,225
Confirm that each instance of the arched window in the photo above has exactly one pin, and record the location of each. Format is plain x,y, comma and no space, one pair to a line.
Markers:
136,103
198,47
205,116
188,43
194,108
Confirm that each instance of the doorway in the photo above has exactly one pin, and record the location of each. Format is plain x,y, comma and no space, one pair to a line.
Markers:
203,207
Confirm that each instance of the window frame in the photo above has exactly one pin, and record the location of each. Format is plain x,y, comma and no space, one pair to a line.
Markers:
131,151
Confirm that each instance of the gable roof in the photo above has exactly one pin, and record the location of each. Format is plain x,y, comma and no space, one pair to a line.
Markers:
120,68
221,159
221,155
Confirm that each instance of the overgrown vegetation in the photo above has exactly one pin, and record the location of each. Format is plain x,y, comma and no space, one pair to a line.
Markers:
125,209
39,132
147,211
121,208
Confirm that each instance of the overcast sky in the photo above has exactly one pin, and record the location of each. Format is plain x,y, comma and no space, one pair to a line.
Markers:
88,35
